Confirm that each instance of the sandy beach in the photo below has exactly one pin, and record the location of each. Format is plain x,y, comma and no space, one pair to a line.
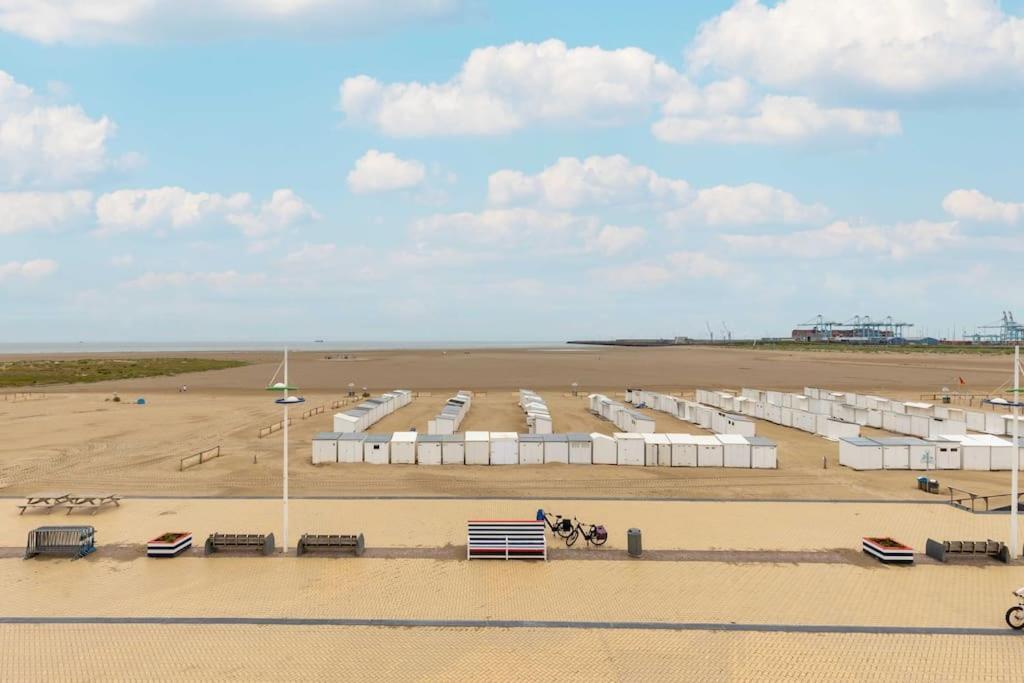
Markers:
746,573
75,436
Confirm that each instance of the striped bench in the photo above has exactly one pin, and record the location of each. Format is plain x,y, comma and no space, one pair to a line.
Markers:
506,539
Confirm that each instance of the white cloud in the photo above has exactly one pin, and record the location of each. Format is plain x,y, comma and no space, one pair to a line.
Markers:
504,88
283,210
750,204
25,211
676,266
572,182
383,171
174,208
841,238
132,21
976,206
219,280
499,226
891,45
311,254
42,144
613,239
775,119
122,260
27,270
162,208
431,258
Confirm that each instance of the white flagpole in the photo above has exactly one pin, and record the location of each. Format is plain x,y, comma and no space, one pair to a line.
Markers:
284,524
1015,462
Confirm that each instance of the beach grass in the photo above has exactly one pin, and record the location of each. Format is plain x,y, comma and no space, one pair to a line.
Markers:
34,373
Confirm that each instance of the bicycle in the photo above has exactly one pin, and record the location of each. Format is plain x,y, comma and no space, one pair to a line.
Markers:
594,534
1015,615
559,525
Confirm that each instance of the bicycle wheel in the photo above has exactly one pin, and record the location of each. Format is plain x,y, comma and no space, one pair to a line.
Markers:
1015,617
598,541
563,532
571,538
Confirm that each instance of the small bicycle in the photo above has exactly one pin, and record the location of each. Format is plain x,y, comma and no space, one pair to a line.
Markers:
593,534
559,525
1015,615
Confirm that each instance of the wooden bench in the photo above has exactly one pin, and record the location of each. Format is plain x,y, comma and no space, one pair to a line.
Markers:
330,543
93,503
506,540
73,541
218,542
939,550
46,502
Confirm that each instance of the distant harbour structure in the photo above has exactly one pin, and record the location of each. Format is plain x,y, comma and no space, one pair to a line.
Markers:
861,329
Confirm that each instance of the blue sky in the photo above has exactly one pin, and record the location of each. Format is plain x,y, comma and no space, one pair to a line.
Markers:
444,170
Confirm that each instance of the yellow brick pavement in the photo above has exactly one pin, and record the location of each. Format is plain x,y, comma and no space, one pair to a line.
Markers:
365,588
130,652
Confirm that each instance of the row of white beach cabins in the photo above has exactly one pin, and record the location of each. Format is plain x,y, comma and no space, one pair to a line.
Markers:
510,448
621,416
936,436
835,414
452,414
371,411
538,417
629,420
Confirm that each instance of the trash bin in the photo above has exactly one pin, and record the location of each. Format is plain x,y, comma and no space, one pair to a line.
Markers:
634,545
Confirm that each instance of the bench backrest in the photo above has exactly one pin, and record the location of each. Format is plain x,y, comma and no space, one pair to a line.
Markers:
348,542
261,542
506,539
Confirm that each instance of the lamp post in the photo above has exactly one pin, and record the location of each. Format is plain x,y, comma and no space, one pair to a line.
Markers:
1014,406
285,401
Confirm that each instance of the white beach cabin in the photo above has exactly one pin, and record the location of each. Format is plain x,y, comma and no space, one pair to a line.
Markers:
453,449
429,449
350,447
605,449
376,449
709,451
556,448
531,449
504,448
630,448
684,450
580,448
764,453
735,450
325,447
403,448
478,448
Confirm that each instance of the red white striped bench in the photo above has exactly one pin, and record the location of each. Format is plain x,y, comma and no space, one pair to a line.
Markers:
506,539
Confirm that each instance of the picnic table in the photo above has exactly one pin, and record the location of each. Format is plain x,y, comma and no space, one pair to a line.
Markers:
93,503
43,502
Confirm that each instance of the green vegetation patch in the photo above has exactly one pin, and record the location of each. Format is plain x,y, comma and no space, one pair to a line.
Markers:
28,373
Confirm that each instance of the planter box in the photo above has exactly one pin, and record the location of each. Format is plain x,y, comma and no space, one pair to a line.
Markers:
887,550
170,544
